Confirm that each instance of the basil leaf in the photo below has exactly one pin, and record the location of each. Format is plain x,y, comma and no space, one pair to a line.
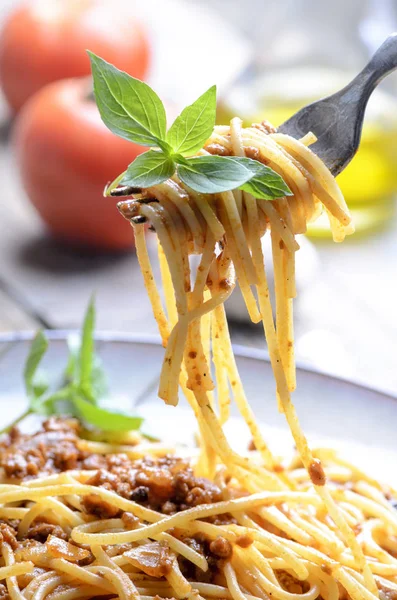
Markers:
113,185
99,381
105,419
86,353
48,406
128,107
180,160
214,174
71,370
193,127
40,383
36,352
267,185
148,169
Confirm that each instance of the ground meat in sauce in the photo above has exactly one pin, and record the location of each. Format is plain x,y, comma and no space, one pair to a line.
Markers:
221,547
154,558
316,473
130,521
40,530
265,126
291,584
52,449
166,484
388,594
95,505
216,553
244,541
8,535
222,519
217,150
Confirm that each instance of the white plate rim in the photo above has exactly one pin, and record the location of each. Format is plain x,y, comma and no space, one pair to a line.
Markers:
240,350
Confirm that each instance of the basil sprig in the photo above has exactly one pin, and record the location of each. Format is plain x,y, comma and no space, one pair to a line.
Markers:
83,387
132,110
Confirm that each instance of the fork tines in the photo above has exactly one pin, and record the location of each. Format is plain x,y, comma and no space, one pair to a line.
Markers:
125,190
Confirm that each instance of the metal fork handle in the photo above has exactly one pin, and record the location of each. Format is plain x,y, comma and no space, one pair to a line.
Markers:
383,62
337,120
350,103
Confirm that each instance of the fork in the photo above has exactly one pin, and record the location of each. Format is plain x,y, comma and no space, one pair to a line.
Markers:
337,120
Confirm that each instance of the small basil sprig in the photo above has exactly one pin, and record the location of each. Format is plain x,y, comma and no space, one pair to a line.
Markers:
132,110
31,375
83,386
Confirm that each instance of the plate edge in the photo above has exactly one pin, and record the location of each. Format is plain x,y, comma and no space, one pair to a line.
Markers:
242,351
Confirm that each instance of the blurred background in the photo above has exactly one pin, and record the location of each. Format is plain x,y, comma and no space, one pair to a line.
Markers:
61,240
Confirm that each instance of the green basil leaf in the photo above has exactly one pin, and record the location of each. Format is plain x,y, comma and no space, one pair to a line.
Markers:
86,353
193,127
149,169
47,406
37,350
113,185
214,174
180,160
40,383
99,381
128,107
71,370
105,419
267,185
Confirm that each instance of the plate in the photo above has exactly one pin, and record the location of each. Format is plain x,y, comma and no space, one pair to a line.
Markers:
358,421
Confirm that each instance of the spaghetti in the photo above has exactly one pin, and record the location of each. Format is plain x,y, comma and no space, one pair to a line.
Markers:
134,522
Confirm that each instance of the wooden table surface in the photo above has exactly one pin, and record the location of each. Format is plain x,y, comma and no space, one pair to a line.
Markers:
345,320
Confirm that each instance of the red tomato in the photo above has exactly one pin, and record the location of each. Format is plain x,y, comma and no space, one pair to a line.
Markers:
65,156
45,40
